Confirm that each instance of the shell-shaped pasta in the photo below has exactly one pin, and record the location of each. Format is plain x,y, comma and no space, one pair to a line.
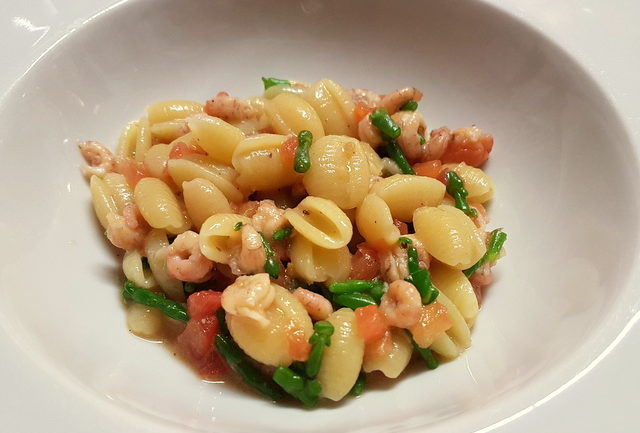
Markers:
218,234
203,199
375,222
456,286
183,170
166,132
156,252
120,190
316,264
458,337
376,164
172,109
156,158
143,321
159,206
334,107
290,114
102,199
135,271
394,362
477,183
343,358
218,138
404,193
143,139
270,344
339,171
259,164
449,235
321,222
126,147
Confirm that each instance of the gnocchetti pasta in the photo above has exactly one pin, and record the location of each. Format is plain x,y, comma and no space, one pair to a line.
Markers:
304,239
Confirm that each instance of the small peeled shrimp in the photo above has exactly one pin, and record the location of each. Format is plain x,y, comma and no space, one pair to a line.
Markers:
396,99
249,256
437,144
268,218
365,97
185,261
470,145
127,231
318,307
100,159
231,109
249,296
369,133
411,139
393,262
401,304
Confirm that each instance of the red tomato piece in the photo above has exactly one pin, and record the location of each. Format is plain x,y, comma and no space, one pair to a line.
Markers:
361,111
288,150
469,145
299,347
371,323
364,263
428,168
203,304
196,343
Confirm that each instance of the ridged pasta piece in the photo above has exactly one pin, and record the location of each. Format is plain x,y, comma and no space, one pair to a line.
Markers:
457,338
166,132
156,252
135,271
290,114
159,206
126,147
183,170
404,193
394,362
217,234
259,164
203,199
270,344
456,286
375,223
449,235
376,165
119,189
143,139
102,199
215,136
316,264
343,358
339,171
477,183
156,159
165,111
143,321
334,107
321,222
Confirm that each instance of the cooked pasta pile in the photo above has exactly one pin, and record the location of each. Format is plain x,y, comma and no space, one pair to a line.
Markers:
302,238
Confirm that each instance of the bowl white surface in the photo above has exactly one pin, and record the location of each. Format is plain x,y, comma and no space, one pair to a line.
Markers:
563,162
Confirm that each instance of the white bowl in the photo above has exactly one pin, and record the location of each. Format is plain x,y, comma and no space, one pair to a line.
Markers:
563,164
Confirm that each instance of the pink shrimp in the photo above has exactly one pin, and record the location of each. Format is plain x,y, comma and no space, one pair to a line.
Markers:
231,108
393,262
127,231
99,158
470,145
401,304
369,133
437,144
268,218
185,261
249,256
318,307
365,97
396,99
411,139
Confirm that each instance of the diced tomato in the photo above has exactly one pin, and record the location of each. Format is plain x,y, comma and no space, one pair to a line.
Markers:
288,150
203,304
371,323
299,347
469,145
380,347
428,168
361,111
433,322
364,263
181,149
196,343
132,170
402,226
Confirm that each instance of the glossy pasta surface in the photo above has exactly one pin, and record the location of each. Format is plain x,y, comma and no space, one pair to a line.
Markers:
305,239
